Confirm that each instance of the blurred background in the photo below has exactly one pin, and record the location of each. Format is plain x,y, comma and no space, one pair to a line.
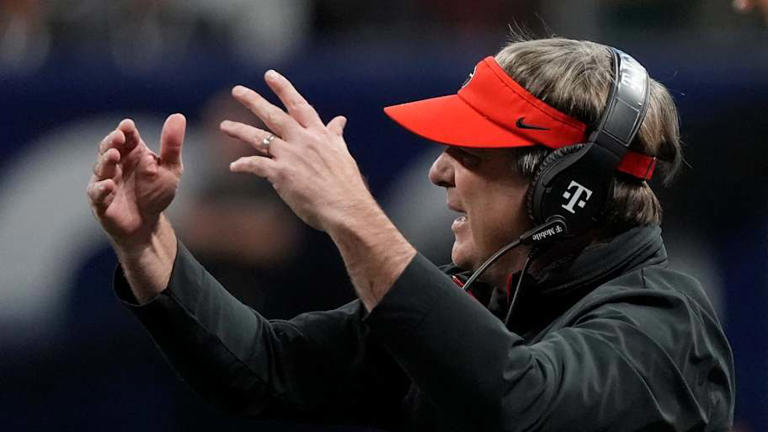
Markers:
71,358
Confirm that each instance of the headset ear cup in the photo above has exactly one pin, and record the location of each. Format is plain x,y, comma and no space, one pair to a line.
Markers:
536,191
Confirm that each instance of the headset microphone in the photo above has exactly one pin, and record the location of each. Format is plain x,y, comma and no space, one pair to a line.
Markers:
552,229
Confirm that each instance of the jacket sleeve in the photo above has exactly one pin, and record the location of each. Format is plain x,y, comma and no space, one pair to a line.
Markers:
316,367
609,370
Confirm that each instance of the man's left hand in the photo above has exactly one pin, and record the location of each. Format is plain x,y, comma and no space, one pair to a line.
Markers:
307,162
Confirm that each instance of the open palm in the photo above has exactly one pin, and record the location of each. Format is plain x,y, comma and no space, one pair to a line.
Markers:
132,185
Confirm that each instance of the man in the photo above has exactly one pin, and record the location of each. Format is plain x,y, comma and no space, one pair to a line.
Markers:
590,332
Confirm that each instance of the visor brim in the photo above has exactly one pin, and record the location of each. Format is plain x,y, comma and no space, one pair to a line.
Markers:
449,120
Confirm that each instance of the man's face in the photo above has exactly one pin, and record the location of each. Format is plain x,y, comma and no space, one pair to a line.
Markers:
484,187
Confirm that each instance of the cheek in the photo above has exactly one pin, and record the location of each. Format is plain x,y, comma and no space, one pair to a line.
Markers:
501,222
489,229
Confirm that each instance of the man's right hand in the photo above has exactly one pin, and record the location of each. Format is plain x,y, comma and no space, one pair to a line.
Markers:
131,185
130,188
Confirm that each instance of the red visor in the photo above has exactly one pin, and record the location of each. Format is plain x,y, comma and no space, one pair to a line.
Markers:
493,111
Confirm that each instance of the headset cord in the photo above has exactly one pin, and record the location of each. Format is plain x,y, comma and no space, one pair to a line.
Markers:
480,270
518,286
552,229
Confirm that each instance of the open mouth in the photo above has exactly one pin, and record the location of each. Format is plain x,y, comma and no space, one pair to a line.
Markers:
459,223
461,219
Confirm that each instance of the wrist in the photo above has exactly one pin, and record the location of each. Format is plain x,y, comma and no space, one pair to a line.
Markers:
353,215
374,252
147,264
137,241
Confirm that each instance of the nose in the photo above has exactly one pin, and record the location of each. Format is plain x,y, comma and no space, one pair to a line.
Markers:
441,172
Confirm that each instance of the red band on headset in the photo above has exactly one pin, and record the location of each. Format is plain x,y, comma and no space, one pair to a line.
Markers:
492,110
637,165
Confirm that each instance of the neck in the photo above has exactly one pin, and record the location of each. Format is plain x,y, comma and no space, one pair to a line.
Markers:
498,273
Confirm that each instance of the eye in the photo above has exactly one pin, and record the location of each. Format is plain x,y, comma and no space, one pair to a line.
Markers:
466,158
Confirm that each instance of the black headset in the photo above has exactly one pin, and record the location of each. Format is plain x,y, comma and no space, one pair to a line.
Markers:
571,186
573,183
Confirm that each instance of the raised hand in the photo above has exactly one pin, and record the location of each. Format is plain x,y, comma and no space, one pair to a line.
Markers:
131,185
307,163
311,169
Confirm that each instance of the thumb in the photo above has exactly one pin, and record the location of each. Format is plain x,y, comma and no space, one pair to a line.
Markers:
337,125
172,138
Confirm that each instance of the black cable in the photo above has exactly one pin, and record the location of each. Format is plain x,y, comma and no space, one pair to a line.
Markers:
552,229
517,289
490,261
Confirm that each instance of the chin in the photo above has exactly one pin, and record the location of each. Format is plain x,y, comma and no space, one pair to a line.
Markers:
461,257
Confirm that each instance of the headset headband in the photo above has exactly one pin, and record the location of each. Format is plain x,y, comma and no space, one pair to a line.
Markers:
626,105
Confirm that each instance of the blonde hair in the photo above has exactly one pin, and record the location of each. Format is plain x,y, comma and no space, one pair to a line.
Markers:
575,77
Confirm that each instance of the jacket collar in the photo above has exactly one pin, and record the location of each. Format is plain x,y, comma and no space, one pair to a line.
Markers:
566,272
598,262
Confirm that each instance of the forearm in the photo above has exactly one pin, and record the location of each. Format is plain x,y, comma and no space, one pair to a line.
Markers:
374,252
213,341
147,265
244,364
452,347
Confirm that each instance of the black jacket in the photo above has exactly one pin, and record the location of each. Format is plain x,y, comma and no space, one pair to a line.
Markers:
613,340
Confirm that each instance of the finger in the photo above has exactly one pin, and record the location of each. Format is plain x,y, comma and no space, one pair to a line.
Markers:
132,137
275,118
100,194
172,139
114,139
106,164
336,125
260,166
253,136
294,102
148,166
